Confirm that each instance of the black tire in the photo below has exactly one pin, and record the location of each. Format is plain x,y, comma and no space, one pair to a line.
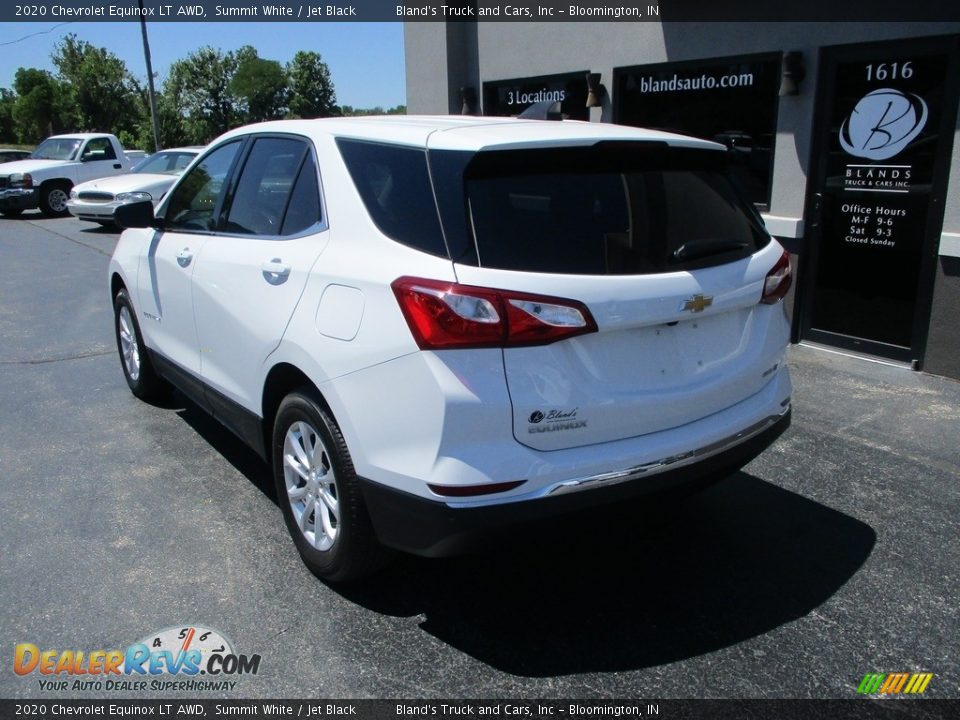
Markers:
14,213
355,552
53,199
147,384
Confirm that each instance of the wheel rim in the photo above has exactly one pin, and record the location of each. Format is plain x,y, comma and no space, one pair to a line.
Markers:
57,199
129,347
311,486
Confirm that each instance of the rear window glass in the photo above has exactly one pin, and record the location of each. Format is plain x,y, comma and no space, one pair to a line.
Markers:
394,184
607,211
303,211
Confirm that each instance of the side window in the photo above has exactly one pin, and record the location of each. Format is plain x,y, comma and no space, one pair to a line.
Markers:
394,184
99,149
195,198
179,161
304,207
266,182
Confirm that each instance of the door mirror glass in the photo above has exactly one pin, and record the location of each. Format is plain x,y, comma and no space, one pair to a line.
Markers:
136,215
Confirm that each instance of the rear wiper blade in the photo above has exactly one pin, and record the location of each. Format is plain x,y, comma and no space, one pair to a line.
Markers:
702,248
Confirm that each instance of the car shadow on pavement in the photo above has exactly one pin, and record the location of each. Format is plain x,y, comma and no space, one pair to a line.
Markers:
639,585
232,448
632,587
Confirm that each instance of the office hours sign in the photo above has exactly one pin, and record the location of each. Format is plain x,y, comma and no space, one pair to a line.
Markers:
885,112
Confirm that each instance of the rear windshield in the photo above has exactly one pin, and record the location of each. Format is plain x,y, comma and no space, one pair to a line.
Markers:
165,163
612,210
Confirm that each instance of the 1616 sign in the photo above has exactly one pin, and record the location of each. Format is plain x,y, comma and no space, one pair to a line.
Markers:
885,111
883,158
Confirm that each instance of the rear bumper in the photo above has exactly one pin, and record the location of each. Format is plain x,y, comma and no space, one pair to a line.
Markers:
435,529
18,199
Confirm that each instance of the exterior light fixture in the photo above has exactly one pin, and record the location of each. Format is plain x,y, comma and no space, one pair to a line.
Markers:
792,73
468,98
594,90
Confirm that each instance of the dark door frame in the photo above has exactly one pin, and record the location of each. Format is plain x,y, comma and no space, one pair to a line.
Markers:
829,58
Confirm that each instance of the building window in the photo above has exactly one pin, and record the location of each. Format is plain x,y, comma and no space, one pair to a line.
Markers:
729,100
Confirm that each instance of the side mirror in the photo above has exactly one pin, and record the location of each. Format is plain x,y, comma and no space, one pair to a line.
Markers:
137,215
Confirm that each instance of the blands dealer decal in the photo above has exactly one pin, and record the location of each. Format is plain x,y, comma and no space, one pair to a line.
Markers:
554,421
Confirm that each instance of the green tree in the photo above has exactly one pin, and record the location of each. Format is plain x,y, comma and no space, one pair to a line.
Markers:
105,95
173,132
8,129
261,88
39,109
198,87
311,89
350,111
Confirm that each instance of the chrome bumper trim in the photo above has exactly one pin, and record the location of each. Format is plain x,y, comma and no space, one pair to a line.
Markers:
17,193
615,477
674,461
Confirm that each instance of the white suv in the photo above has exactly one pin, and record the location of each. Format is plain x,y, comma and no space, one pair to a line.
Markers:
435,327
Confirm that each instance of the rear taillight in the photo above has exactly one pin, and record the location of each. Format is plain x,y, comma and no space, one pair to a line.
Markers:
777,282
445,315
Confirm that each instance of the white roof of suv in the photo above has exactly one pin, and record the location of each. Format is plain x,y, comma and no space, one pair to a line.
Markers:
461,132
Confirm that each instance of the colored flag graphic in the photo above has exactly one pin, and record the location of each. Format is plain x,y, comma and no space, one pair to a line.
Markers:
894,683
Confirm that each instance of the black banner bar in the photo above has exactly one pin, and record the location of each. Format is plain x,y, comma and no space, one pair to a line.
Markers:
478,10
900,708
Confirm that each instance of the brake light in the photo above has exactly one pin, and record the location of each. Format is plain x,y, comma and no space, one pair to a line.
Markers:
778,280
444,315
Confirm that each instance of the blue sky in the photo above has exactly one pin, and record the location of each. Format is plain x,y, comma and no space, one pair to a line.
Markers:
365,59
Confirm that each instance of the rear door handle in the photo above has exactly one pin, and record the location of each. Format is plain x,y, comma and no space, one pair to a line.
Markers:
276,271
184,257
117,166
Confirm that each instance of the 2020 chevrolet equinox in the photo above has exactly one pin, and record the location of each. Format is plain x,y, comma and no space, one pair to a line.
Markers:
435,326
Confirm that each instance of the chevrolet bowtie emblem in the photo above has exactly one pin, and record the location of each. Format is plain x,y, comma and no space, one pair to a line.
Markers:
698,303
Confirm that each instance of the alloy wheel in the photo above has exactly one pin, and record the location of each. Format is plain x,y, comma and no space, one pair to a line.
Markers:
129,347
311,485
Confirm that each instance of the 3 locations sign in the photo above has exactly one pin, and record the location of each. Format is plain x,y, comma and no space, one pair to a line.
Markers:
883,132
511,97
732,101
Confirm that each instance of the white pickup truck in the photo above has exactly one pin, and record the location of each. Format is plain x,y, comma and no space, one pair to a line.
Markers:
59,162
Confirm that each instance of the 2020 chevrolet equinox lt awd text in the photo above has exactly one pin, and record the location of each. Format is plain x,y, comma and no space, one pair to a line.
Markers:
435,326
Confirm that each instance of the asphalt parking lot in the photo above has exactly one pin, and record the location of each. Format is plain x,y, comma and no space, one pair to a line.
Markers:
834,554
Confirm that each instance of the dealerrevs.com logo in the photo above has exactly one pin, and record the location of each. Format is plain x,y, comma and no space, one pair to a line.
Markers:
171,659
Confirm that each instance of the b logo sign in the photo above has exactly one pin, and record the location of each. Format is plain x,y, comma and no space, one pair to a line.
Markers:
883,123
